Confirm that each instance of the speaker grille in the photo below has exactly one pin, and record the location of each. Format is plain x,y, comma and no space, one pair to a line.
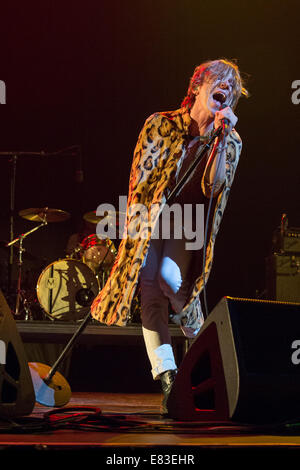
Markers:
264,333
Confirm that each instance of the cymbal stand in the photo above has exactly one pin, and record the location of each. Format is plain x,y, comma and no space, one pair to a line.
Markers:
11,216
20,262
72,151
13,161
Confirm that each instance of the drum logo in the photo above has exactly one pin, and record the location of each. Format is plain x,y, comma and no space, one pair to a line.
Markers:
51,283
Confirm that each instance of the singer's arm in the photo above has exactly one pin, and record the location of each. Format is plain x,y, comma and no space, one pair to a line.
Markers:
214,173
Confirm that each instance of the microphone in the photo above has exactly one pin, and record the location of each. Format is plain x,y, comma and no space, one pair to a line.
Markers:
225,121
224,125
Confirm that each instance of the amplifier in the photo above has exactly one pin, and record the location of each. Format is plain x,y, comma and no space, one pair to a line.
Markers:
283,277
287,241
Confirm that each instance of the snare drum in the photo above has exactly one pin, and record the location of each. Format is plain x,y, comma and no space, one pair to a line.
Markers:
98,254
66,289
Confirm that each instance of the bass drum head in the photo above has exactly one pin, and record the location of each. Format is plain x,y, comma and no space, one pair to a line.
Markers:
66,290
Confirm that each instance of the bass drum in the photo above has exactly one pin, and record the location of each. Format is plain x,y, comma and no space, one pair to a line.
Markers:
66,290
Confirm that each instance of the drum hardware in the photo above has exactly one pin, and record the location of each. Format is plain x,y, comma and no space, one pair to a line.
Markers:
104,271
27,306
76,253
20,294
97,253
26,255
84,297
43,215
13,157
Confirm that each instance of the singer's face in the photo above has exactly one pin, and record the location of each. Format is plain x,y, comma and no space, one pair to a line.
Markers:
213,94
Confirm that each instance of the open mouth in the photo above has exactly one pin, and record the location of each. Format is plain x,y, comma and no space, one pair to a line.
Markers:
219,97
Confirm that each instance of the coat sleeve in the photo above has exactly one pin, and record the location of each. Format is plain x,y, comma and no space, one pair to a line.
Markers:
149,157
232,152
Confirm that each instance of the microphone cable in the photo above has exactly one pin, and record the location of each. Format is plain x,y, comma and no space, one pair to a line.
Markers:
206,229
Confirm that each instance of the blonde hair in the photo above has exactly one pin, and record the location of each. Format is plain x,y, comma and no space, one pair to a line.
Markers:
211,70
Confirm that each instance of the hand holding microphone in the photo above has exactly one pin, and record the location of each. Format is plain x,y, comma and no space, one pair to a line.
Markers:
226,119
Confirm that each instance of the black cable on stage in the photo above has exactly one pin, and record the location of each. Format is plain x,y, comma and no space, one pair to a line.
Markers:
91,419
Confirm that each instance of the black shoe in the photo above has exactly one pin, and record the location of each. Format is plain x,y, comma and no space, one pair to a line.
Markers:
167,379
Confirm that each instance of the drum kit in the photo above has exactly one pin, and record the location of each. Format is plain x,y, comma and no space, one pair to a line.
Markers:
65,291
67,287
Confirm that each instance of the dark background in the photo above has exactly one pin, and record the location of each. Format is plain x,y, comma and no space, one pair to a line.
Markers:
89,73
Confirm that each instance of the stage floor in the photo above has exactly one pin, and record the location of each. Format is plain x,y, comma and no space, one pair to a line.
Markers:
130,425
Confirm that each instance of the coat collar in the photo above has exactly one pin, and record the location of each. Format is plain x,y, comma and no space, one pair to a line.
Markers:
183,120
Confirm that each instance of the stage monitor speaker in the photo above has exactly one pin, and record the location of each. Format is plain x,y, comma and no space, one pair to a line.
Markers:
244,365
17,397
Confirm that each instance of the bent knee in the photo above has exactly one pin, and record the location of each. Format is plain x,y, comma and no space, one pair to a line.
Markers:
169,276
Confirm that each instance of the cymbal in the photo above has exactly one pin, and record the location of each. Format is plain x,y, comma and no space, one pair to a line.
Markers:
92,218
44,213
111,216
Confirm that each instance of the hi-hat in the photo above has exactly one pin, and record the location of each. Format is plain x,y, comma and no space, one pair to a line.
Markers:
44,214
92,218
111,217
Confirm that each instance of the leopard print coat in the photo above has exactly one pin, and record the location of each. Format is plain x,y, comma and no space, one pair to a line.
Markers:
158,156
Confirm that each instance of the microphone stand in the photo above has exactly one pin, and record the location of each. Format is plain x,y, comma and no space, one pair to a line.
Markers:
198,157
